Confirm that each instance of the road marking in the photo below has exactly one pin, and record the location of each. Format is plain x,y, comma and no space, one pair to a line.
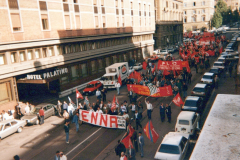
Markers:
83,141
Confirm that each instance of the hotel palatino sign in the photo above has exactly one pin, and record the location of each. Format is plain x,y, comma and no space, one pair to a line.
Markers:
47,75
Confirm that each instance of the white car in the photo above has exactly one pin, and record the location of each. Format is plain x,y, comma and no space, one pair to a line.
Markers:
137,67
131,69
220,65
171,50
173,147
187,122
225,27
208,78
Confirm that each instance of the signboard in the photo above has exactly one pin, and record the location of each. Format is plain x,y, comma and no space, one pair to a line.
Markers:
47,75
103,120
169,65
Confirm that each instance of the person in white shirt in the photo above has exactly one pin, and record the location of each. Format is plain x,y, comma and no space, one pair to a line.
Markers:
70,109
149,108
133,108
123,109
91,109
118,85
98,95
99,110
5,115
123,156
62,156
27,109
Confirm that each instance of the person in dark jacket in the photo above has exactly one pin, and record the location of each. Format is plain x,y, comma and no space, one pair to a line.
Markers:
120,148
184,88
134,140
162,112
66,128
168,112
104,91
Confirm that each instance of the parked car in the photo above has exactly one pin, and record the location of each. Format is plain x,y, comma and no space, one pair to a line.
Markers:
220,65
171,49
92,87
174,146
208,78
138,67
11,126
33,117
202,90
187,122
221,59
215,70
193,103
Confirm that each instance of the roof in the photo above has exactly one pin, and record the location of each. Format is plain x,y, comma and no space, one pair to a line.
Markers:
93,82
195,98
208,74
219,138
42,105
200,85
186,115
214,67
110,74
172,138
117,64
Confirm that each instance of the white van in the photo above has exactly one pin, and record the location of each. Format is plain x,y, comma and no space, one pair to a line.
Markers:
187,122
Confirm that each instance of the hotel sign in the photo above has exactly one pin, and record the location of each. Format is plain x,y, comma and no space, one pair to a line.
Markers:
47,75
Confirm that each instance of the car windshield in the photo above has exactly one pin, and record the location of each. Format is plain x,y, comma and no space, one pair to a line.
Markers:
103,78
35,110
196,89
213,70
207,77
190,103
183,122
90,85
218,64
220,60
111,78
171,149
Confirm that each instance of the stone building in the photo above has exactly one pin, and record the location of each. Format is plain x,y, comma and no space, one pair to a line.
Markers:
197,14
169,24
51,47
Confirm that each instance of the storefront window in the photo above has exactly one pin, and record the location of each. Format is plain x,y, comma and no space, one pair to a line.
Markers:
44,51
59,49
14,57
84,69
73,48
74,72
120,58
2,59
107,61
114,59
139,54
22,56
5,92
30,56
93,67
64,80
131,55
125,57
37,53
100,65
51,51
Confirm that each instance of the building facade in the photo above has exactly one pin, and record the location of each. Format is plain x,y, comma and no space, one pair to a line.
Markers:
169,24
55,46
197,14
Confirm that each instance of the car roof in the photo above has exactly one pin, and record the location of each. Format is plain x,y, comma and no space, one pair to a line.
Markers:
186,115
172,138
214,67
195,98
208,74
43,105
200,85
93,82
218,62
7,121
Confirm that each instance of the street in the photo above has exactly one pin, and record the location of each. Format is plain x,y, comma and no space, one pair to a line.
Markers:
96,143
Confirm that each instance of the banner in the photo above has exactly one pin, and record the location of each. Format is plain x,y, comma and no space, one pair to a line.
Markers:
177,100
169,65
151,91
150,132
136,75
103,120
211,53
144,65
78,94
120,80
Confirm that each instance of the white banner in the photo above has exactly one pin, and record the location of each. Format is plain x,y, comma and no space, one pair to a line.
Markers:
104,120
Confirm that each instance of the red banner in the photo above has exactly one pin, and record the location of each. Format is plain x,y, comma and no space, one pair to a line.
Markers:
211,53
136,75
150,132
144,90
144,65
177,100
169,65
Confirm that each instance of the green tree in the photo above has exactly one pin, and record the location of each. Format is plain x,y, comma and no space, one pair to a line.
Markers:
235,15
221,7
217,19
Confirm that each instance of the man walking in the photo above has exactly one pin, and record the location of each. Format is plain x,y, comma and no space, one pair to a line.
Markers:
66,128
120,148
59,108
131,153
137,118
41,115
184,88
75,120
134,139
162,112
168,112
141,142
130,95
118,85
216,81
104,94
98,95
149,108
65,106
57,156
62,156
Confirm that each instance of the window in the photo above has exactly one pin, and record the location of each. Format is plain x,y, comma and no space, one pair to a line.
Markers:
95,9
102,2
103,10
203,3
145,10
93,67
132,21
37,53
123,22
122,11
193,19
67,22
59,50
14,57
176,6
116,3
139,9
185,20
94,2
122,4
100,65
30,55
2,59
117,21
13,123
117,12
104,21
22,56
173,5
194,11
15,15
74,72
96,22
194,3
185,12
44,15
131,3
203,18
167,4
84,70
44,52
64,80
185,4
203,11
50,51
77,17
13,4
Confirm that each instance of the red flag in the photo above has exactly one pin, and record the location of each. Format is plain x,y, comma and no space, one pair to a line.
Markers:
78,94
127,142
144,65
113,103
154,69
131,130
177,100
165,73
120,80
150,132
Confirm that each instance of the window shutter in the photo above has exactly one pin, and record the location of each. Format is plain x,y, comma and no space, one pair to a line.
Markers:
67,21
77,21
16,23
76,8
13,4
43,5
65,8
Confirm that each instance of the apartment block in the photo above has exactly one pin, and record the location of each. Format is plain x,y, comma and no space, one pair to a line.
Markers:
197,14
51,47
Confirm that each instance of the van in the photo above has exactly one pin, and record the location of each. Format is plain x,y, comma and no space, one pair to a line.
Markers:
187,122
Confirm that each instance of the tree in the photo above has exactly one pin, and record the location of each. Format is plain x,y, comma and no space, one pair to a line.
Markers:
189,30
221,7
235,15
217,19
